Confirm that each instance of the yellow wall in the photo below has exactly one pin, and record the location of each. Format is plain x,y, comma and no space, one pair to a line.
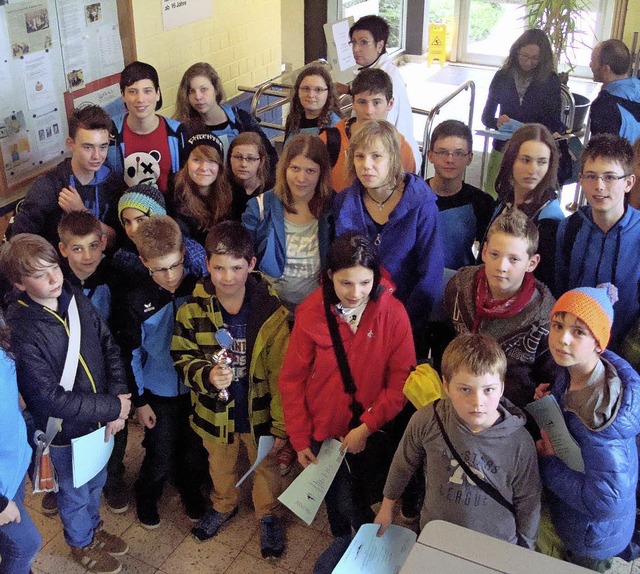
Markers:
241,41
632,21
293,33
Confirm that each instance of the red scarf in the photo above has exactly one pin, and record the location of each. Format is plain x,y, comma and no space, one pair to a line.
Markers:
489,308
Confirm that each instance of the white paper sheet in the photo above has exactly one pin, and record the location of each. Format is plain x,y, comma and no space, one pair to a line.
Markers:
368,554
265,444
547,414
307,492
90,455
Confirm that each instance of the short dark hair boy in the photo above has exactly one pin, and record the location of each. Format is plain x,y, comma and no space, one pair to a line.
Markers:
599,242
244,304
99,394
464,210
148,146
372,99
490,434
83,182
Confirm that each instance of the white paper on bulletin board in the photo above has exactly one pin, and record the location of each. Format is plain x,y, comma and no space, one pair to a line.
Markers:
180,12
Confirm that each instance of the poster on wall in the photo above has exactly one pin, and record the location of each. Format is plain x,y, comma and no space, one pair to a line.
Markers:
15,146
180,12
29,27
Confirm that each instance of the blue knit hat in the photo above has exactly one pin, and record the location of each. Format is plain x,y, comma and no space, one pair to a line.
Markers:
593,306
143,197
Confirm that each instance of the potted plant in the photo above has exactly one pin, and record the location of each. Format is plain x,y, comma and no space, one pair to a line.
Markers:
558,19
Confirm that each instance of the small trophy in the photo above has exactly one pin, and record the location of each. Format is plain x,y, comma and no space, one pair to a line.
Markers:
223,358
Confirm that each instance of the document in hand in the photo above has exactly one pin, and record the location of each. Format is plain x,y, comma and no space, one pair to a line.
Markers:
89,454
547,414
307,492
368,554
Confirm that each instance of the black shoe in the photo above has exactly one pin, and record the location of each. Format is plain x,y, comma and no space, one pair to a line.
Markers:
117,500
271,537
211,522
49,503
147,514
195,507
331,556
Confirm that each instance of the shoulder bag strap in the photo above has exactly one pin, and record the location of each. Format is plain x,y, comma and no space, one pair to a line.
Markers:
343,365
70,366
487,488
260,200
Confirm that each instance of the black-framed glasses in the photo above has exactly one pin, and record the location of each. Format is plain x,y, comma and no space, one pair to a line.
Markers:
314,89
457,154
607,178
532,59
247,158
165,270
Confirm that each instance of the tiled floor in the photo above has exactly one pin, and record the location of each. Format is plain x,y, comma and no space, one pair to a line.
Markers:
171,550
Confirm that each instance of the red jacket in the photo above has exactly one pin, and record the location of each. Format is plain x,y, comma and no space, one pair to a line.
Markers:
381,355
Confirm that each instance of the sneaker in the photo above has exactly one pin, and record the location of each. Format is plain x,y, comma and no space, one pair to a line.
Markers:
49,503
147,514
110,543
95,560
211,522
286,457
271,537
117,501
331,556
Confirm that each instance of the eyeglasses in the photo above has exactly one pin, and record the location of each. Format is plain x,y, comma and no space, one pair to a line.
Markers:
315,90
361,43
165,270
607,178
532,59
247,158
443,153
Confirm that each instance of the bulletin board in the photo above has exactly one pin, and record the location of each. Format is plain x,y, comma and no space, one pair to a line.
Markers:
55,55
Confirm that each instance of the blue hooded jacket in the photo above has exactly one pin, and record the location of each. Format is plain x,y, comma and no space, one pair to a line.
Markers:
616,110
594,512
587,256
408,244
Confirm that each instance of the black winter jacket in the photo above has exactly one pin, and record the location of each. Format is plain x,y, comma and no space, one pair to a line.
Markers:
40,341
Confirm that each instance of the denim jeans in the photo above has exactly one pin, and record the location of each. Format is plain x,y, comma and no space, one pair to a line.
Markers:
79,508
19,541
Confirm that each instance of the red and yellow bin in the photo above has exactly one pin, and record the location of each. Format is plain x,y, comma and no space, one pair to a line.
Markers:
437,43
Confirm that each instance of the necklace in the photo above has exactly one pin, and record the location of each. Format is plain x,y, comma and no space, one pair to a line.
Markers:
381,203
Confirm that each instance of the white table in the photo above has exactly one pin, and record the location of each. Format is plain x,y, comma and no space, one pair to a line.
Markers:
445,548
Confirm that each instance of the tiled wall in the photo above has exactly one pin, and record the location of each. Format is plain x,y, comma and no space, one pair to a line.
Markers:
241,41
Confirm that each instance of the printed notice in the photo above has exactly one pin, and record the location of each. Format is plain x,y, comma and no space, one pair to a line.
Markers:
368,554
307,492
343,48
547,414
180,12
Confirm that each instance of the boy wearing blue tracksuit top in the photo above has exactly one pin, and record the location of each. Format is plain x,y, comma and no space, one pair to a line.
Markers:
162,401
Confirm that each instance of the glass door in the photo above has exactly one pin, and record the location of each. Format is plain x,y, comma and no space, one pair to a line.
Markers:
393,11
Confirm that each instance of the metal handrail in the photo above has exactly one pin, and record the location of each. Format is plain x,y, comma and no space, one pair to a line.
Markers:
435,110
266,89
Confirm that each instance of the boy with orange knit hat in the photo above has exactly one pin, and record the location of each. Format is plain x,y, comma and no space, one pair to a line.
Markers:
593,511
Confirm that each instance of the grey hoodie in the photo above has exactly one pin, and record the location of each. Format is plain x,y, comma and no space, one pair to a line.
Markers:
503,455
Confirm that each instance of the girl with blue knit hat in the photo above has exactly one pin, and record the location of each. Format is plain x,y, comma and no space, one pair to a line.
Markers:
593,511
